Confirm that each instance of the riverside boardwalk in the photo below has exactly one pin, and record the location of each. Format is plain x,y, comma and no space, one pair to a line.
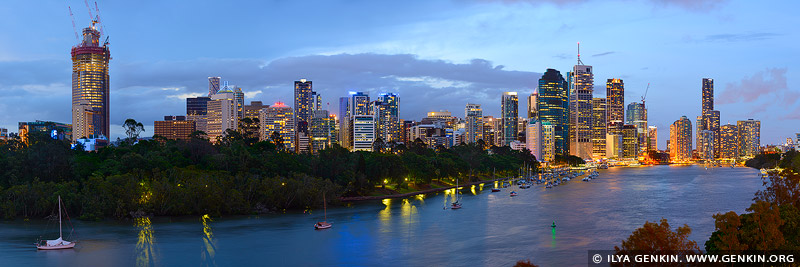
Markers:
427,191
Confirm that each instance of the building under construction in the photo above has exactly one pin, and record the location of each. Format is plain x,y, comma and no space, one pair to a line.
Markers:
90,84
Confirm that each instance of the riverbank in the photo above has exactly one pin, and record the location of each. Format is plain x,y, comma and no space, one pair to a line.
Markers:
426,191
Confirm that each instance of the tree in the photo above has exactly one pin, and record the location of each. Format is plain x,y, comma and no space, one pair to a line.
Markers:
527,263
726,237
276,138
132,129
378,145
653,237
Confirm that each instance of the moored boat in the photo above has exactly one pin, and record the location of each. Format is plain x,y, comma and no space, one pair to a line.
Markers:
59,243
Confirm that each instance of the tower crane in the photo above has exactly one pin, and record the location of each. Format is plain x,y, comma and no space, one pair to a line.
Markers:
645,93
73,23
97,18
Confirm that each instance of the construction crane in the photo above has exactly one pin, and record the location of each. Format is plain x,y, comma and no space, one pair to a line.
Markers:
97,16
73,23
645,93
89,9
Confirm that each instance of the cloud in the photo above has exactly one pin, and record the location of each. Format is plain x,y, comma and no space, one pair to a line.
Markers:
603,54
770,83
691,5
252,94
740,37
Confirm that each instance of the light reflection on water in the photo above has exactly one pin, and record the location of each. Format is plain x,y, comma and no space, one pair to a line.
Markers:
145,250
209,244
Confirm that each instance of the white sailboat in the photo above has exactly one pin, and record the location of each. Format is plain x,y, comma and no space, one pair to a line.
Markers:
323,224
59,243
456,204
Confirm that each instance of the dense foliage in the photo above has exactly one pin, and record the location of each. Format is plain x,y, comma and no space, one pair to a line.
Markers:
237,175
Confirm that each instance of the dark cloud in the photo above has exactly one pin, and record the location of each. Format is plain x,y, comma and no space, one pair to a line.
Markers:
146,91
603,54
769,84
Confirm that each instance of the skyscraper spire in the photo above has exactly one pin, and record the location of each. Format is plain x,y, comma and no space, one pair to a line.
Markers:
579,54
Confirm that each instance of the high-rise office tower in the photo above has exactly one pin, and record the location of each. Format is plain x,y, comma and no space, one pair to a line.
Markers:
252,112
302,111
213,85
749,137
344,122
711,122
359,103
277,118
533,111
473,117
708,95
388,117
90,85
727,141
363,132
615,102
197,111
222,114
680,140
599,128
509,108
581,88
323,130
553,107
490,127
630,142
652,140
707,151
238,97
316,101
637,116
539,140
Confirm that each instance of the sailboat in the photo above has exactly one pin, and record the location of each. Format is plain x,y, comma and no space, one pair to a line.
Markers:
456,204
323,224
59,243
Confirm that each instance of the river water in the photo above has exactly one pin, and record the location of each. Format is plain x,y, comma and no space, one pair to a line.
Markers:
492,229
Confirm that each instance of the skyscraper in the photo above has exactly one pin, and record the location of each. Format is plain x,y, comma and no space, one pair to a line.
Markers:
652,141
90,85
277,118
749,137
363,132
553,107
533,107
238,97
708,95
174,128
213,85
630,142
302,111
197,111
359,104
727,141
615,102
473,116
581,88
344,122
322,130
222,114
637,116
680,140
599,128
388,117
509,108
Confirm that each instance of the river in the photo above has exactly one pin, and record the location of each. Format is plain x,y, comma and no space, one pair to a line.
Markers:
492,229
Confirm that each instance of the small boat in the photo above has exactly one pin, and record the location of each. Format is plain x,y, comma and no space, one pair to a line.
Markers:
59,243
323,224
495,189
549,186
553,225
513,193
455,205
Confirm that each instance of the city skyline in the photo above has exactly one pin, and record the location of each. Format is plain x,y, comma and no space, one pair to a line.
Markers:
147,84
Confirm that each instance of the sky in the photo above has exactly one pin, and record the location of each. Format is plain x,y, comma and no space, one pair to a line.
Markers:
435,54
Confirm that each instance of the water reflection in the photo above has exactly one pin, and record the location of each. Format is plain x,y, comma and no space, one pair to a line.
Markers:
385,215
209,243
553,241
145,255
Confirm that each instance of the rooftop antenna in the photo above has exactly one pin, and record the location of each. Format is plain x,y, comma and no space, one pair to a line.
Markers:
645,93
73,23
579,54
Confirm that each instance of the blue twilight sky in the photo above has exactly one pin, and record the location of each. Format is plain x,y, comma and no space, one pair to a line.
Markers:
437,55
